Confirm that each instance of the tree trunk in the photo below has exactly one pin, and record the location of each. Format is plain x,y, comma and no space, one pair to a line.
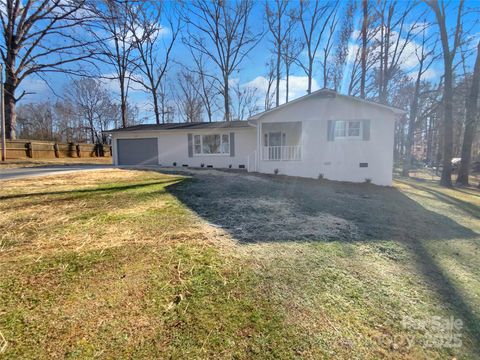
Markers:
10,113
226,99
310,74
470,123
411,124
287,74
430,141
446,178
277,95
156,110
411,135
123,105
448,58
92,134
363,73
10,86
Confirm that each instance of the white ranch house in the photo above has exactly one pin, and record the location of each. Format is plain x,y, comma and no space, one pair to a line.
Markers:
323,134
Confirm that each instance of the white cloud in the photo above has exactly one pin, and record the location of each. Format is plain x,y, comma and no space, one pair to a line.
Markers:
164,31
36,88
233,81
111,83
408,61
429,74
297,87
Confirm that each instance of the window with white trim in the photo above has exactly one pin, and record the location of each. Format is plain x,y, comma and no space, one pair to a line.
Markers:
348,129
211,144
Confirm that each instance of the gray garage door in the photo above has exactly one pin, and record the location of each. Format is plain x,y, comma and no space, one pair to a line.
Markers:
137,151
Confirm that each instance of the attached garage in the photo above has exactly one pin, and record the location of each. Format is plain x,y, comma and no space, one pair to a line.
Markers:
216,144
137,151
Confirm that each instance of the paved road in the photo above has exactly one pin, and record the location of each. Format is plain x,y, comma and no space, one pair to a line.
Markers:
17,173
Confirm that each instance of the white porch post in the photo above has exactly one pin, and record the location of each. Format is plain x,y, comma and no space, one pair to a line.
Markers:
259,145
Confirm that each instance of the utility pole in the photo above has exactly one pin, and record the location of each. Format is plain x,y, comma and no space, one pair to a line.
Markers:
2,116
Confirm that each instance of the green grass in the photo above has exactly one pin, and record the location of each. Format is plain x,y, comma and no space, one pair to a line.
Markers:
126,265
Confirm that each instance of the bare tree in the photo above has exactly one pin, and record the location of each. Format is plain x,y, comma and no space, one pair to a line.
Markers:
246,101
115,43
66,121
471,120
35,121
313,20
93,106
449,53
325,62
291,50
425,59
281,22
395,35
154,52
208,90
342,49
355,73
189,105
167,110
223,35
39,36
269,94
361,66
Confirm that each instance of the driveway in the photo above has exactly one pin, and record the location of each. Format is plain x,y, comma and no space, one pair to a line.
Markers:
6,174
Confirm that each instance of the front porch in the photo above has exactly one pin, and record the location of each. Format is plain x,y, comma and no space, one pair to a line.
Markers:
281,141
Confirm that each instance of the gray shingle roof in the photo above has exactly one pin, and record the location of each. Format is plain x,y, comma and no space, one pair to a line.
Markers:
326,93
186,126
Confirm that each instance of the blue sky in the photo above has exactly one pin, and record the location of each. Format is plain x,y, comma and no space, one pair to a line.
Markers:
253,69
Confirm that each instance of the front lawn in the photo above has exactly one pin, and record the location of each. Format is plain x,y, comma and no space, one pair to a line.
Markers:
137,264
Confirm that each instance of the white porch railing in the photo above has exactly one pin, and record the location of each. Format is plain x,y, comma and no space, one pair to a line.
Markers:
282,153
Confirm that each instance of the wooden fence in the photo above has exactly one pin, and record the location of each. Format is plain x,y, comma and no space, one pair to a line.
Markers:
23,149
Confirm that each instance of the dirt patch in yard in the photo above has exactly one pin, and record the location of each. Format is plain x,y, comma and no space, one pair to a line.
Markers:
264,208
248,221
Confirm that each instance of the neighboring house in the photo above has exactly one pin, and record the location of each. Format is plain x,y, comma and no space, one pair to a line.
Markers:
323,134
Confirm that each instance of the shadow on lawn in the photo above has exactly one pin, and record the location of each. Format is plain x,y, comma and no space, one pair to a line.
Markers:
468,208
279,209
105,190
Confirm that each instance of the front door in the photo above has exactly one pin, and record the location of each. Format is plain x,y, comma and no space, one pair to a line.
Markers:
276,138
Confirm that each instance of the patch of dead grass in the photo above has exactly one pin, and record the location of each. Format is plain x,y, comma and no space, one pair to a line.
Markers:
59,213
